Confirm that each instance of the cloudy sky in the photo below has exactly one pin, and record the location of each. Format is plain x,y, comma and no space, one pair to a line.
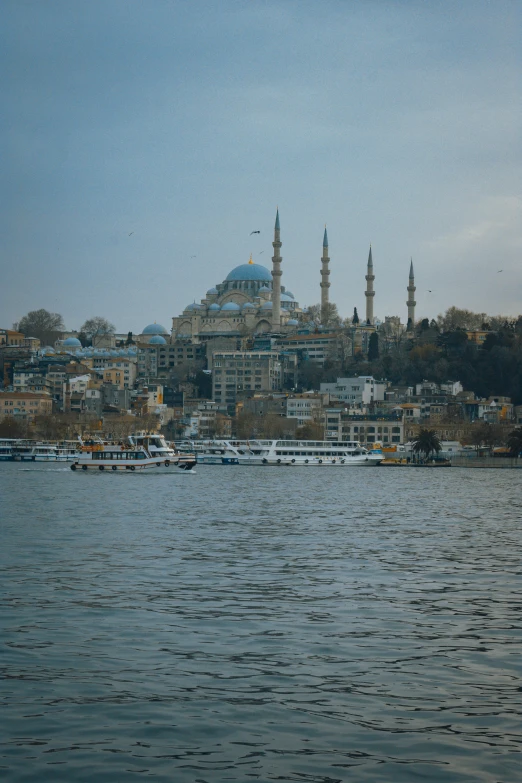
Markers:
144,141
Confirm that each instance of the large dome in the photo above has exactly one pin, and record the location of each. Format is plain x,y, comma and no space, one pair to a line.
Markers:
154,329
249,272
72,342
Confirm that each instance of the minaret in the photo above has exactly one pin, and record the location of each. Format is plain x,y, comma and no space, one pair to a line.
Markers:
411,301
276,276
325,274
369,293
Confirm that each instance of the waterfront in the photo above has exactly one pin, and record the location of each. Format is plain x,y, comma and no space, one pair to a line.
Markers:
261,624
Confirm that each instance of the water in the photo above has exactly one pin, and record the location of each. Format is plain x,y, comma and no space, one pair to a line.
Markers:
261,624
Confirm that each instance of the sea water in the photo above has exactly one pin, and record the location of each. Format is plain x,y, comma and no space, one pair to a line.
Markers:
264,624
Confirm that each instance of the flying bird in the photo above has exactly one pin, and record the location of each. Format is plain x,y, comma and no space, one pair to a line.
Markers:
254,232
193,256
500,270
261,251
131,233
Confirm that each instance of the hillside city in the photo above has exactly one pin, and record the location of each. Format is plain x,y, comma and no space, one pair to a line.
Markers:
460,375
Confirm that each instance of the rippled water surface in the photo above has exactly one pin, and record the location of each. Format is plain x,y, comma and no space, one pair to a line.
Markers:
261,624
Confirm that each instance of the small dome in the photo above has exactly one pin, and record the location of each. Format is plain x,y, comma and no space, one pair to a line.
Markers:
249,272
154,329
230,306
286,297
264,289
193,306
72,342
212,292
289,293
292,322
157,340
249,306
214,306
266,306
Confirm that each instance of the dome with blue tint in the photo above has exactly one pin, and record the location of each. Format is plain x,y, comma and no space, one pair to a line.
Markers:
264,289
193,306
249,306
286,297
212,292
157,340
292,322
266,306
214,306
230,306
72,342
249,272
289,293
154,329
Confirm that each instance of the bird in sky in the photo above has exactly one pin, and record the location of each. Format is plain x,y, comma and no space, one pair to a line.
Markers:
261,251
254,232
429,291
131,233
193,256
500,270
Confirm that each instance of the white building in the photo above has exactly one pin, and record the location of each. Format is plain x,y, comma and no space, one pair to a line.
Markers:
358,391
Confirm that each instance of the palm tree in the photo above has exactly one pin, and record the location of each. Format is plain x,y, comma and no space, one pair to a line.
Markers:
426,443
514,442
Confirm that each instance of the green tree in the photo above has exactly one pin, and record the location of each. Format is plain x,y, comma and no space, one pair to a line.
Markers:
42,324
426,443
373,347
514,442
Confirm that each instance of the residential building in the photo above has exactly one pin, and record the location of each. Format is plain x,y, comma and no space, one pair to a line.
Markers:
386,429
358,391
24,405
238,372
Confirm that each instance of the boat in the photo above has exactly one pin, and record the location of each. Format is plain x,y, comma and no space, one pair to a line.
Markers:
113,457
68,451
289,452
27,451
156,446
6,449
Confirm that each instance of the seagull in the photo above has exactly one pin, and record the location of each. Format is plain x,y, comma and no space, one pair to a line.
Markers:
261,251
131,233
193,256
254,232
429,291
500,270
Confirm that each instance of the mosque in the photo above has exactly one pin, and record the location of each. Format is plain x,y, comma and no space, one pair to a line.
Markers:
251,300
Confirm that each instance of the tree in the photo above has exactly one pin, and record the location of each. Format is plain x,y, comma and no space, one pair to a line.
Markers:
11,428
312,430
42,324
97,327
514,442
355,319
426,443
330,316
373,347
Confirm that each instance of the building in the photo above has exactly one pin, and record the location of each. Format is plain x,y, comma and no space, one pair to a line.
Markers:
317,347
356,392
305,408
120,373
237,373
250,300
24,405
367,429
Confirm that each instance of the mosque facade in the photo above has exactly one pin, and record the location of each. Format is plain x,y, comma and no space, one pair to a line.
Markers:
251,300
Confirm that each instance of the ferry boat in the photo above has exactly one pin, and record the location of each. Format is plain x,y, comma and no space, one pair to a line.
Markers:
289,452
27,451
6,449
156,446
113,457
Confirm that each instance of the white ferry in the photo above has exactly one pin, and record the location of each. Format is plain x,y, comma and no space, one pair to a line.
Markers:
113,457
6,449
156,446
34,452
288,452
339,454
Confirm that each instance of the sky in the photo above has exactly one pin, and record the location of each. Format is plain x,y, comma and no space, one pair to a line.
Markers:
143,141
